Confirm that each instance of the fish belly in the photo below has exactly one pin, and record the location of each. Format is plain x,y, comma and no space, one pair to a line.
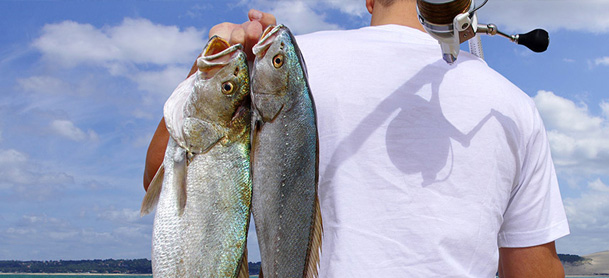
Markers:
209,238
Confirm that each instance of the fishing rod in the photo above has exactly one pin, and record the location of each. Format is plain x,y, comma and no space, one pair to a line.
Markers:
453,22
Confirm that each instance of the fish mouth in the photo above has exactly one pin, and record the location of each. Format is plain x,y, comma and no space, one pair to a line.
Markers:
267,38
243,108
218,47
217,54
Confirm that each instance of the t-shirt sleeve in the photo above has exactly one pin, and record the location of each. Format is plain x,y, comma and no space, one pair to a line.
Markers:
535,214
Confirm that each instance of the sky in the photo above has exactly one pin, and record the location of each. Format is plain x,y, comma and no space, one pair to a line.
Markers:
83,83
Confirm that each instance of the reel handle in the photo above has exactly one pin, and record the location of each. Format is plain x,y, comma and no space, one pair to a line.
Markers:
536,40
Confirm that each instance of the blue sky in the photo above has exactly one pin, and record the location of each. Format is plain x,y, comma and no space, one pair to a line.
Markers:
83,83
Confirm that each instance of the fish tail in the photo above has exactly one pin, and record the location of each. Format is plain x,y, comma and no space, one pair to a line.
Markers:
312,267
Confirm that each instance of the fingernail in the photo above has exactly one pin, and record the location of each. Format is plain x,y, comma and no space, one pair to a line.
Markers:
256,15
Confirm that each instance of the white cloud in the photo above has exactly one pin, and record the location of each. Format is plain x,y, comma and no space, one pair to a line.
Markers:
605,107
590,211
24,178
603,61
351,7
44,84
563,114
588,216
305,16
8,157
579,140
124,215
160,83
68,130
519,15
300,17
134,41
156,57
12,169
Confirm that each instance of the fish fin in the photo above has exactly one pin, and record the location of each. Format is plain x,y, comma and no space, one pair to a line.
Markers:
179,176
256,126
312,268
154,191
243,269
201,136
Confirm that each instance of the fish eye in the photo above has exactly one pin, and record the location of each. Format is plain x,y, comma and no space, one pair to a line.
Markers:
228,87
278,61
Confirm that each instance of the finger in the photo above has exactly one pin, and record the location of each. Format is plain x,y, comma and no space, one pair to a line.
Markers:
237,36
265,19
253,30
223,30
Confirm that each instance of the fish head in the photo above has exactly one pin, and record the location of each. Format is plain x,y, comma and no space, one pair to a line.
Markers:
221,87
218,105
278,72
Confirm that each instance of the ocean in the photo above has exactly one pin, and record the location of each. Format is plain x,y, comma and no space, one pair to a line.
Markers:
2,275
135,276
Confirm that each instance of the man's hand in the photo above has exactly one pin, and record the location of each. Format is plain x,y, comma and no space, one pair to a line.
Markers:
247,33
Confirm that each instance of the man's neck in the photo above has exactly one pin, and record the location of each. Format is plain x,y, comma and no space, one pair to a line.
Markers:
400,13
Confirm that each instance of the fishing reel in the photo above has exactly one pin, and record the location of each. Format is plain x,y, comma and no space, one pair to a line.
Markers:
453,22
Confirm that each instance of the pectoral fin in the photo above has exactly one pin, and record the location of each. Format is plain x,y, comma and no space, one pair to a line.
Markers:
268,106
201,135
154,191
179,178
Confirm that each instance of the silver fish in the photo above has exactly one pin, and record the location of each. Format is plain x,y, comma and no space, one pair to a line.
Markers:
203,188
284,159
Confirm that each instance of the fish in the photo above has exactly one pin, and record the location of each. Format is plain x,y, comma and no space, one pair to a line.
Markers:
285,159
202,191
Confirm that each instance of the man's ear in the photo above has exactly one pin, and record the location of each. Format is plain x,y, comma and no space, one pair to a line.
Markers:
370,5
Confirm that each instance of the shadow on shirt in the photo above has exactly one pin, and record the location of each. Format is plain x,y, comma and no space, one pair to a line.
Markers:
418,138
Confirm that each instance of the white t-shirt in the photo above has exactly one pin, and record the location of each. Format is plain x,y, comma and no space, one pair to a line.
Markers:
426,169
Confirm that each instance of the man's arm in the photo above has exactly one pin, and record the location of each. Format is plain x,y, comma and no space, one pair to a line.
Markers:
247,34
536,261
156,153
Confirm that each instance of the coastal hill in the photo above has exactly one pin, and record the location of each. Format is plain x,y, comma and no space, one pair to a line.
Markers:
137,266
593,264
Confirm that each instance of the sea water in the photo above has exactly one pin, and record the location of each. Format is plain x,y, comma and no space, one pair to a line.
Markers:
2,275
78,276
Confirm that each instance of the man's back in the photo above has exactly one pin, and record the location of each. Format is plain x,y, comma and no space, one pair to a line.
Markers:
425,168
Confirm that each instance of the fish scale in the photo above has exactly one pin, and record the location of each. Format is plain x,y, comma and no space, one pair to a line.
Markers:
203,188
284,159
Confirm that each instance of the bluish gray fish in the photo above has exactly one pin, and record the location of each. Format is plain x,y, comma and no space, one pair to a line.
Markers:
284,159
202,192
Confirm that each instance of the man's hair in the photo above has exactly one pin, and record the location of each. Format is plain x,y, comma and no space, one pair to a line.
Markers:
388,3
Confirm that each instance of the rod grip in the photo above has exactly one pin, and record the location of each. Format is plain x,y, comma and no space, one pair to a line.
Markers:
536,40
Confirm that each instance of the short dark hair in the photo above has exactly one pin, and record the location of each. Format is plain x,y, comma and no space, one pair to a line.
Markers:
388,3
